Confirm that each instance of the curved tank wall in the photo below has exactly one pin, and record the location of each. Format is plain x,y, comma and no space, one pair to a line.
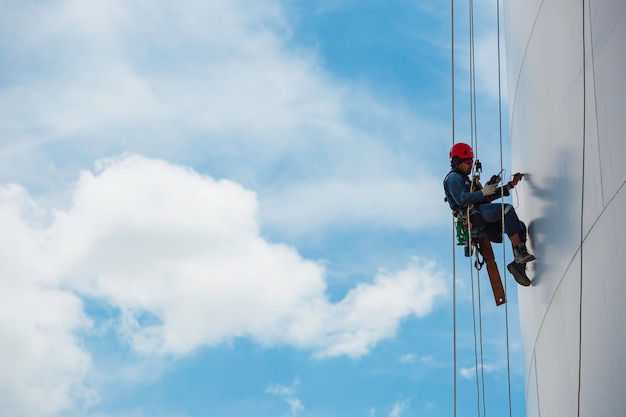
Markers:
568,137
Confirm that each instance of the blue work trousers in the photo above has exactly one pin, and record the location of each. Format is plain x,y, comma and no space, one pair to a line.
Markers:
492,213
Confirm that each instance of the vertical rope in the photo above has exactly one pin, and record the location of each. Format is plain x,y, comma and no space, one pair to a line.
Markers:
453,228
582,208
478,390
474,142
480,332
506,305
473,106
454,315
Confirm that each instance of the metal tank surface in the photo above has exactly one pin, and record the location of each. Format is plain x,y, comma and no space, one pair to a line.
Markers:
567,105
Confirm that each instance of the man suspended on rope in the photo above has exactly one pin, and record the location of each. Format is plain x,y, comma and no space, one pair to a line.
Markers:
482,212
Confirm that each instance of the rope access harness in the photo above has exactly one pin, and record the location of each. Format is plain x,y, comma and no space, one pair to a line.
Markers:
474,143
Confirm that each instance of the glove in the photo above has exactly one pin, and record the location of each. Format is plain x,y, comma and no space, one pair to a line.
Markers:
489,189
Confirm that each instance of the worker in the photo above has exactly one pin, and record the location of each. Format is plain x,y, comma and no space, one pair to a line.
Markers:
457,186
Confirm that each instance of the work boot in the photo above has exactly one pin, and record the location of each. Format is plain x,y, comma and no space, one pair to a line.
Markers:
519,273
521,254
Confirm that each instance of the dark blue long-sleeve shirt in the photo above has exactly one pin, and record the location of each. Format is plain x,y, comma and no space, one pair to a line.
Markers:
457,187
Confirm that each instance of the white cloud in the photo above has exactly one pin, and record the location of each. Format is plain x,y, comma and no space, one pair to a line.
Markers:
162,242
213,69
283,390
407,358
399,408
42,364
371,312
180,255
389,201
427,359
129,63
295,406
485,50
471,372
486,61
218,81
288,394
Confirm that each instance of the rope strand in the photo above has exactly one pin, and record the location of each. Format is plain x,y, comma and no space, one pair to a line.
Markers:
480,332
474,141
453,228
478,339
478,390
582,210
506,305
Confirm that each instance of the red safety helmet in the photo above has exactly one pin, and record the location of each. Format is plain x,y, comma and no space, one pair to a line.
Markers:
462,150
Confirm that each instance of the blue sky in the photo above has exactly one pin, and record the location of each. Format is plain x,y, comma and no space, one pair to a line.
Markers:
232,208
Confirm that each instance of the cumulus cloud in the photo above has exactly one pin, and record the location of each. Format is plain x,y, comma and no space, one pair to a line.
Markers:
163,242
42,363
371,312
180,256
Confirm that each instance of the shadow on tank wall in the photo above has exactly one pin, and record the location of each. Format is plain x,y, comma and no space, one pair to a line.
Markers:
554,227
